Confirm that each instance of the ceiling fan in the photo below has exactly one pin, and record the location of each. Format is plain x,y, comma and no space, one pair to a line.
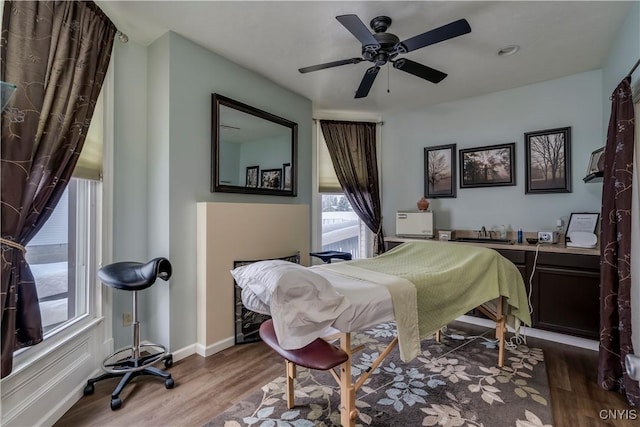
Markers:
383,47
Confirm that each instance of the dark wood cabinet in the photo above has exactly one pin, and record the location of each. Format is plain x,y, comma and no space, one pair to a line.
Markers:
566,293
564,289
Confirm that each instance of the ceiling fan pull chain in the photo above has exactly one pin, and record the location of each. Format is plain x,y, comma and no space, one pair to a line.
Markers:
388,72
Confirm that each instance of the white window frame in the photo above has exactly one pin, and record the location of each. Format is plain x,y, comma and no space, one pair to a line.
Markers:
48,378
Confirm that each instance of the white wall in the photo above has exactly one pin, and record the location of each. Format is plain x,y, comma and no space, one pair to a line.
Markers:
496,118
624,52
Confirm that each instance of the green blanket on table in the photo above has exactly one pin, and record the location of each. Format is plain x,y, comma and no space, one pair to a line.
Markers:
451,279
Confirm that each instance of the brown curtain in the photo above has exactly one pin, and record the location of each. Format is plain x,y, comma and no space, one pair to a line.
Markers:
352,147
57,54
615,248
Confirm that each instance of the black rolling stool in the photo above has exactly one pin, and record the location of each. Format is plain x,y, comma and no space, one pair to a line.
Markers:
327,256
129,362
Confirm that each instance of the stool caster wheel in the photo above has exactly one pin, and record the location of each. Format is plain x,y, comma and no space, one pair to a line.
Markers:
168,362
168,383
88,389
116,403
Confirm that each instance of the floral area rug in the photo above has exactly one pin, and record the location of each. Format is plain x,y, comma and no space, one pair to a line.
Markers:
452,383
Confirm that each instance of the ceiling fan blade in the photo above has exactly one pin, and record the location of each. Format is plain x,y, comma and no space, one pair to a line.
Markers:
419,70
330,64
446,32
358,29
367,82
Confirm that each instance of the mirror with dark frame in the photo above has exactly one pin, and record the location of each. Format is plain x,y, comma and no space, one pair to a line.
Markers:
253,151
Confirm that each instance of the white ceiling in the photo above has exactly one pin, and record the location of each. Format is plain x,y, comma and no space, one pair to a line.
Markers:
275,38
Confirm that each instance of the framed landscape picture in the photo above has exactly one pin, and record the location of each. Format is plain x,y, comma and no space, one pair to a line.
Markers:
488,166
251,178
548,161
271,178
440,171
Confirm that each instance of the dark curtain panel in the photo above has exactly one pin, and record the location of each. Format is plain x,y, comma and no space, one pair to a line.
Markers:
615,248
352,147
57,54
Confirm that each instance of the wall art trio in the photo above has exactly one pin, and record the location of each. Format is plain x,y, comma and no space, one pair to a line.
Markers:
547,165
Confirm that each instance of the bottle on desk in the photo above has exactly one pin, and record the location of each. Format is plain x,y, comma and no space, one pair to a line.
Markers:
519,235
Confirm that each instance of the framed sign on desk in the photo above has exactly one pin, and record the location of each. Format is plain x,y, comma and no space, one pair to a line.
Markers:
586,222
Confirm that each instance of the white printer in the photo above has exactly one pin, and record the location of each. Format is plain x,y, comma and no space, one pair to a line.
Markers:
414,224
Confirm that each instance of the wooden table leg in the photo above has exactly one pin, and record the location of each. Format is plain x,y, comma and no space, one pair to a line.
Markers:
291,376
348,412
501,335
501,332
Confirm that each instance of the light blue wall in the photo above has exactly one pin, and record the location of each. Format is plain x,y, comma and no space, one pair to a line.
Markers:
496,118
163,168
267,153
130,217
156,301
624,52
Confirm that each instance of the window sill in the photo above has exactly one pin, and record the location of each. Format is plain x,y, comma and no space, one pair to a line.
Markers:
47,378
26,357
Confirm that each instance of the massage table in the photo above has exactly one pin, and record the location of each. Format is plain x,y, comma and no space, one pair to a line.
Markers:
421,286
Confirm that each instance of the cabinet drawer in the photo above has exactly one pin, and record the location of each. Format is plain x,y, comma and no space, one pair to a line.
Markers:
516,257
589,262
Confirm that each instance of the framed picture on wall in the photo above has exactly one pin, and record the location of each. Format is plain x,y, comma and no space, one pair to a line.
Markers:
596,161
440,171
548,161
488,166
271,178
286,169
251,179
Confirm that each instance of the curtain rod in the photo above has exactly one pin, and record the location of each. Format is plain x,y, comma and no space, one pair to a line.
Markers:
634,67
381,123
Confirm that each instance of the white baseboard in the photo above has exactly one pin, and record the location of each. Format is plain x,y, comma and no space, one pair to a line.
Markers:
537,333
215,347
184,352
201,350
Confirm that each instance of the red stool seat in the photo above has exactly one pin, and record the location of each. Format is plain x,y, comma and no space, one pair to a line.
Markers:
319,355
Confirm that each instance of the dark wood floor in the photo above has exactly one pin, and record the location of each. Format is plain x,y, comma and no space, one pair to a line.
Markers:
206,387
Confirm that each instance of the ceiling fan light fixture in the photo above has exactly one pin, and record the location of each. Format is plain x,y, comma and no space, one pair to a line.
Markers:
508,50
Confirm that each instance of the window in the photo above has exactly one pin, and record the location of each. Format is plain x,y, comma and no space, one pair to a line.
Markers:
341,229
60,257
63,254
76,316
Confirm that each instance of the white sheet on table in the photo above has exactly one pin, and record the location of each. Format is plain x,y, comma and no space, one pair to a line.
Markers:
365,304
370,303
403,300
